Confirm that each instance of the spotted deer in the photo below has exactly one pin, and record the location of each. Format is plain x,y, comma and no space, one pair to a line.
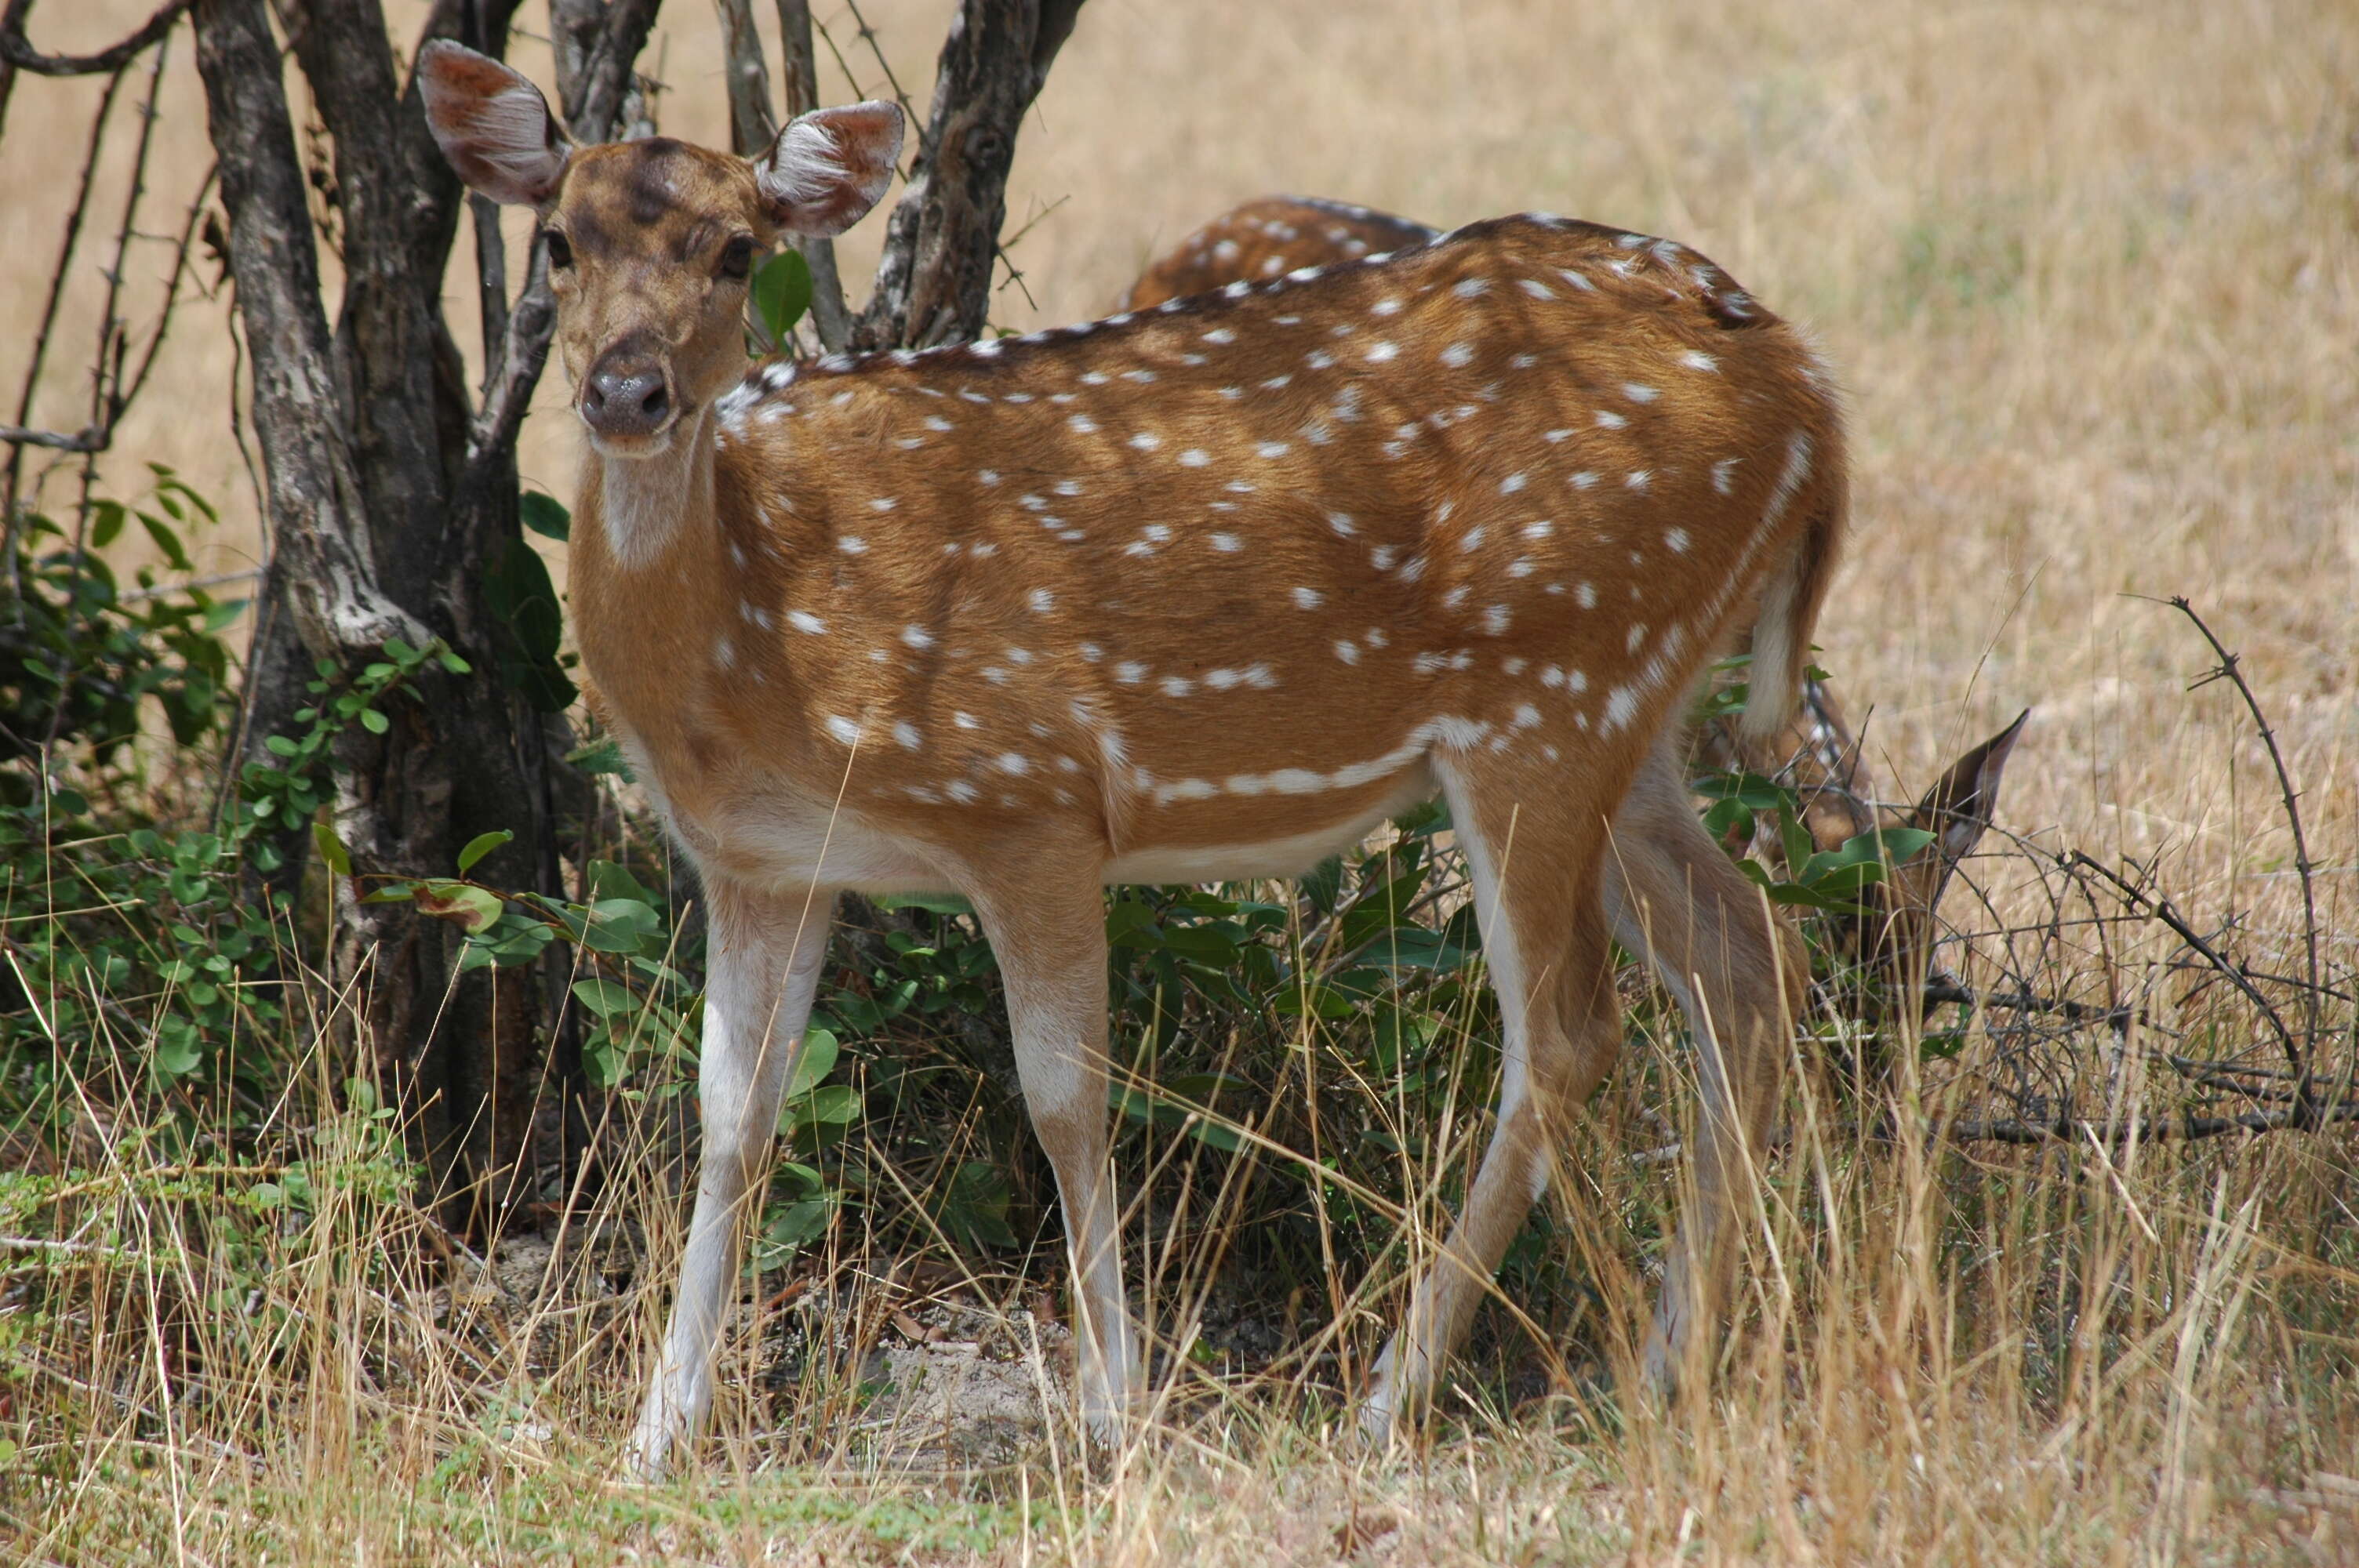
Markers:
1205,593
1891,936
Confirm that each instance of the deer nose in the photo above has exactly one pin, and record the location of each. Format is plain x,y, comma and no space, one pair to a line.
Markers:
625,399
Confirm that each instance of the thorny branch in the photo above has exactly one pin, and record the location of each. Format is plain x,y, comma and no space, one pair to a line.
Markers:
2230,670
2161,909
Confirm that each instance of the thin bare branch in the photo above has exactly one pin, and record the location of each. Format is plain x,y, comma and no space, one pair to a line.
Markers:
90,438
751,127
2161,909
2230,670
19,50
868,37
798,67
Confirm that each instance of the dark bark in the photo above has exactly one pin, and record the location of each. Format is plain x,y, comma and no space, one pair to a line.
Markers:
934,283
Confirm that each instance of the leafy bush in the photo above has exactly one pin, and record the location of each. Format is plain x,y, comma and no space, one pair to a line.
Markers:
79,654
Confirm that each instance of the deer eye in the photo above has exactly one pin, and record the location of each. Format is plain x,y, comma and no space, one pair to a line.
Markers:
561,249
737,256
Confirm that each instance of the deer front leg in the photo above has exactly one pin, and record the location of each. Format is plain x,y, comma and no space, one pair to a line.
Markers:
763,970
1051,943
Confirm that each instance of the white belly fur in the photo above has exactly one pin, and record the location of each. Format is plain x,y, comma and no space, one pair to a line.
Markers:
1271,858
770,843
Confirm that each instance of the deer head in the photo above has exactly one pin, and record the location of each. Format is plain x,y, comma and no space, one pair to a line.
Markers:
1895,940
651,244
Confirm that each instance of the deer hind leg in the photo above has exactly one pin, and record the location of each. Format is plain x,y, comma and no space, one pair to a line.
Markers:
765,964
1534,863
1050,939
1741,978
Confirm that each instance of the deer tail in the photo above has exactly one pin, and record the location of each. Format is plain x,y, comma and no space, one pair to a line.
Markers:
1790,603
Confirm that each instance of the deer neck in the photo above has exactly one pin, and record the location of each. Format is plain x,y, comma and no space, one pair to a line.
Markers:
648,508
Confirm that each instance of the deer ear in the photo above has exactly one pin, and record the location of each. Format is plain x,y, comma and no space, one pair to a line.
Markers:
493,124
830,167
1959,806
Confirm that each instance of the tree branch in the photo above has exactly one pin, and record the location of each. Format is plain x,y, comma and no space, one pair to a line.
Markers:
606,76
751,128
934,283
314,494
90,438
18,51
799,68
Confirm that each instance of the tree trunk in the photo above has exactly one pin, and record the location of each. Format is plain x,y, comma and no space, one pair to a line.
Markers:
392,505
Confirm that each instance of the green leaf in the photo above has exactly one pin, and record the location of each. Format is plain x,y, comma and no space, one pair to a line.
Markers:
932,902
973,1206
545,515
528,627
1323,884
106,523
782,292
601,758
618,925
1416,948
472,909
830,1104
1798,843
177,1053
791,1227
481,844
1896,846
372,721
815,1063
166,541
333,852
604,997
608,879
1424,820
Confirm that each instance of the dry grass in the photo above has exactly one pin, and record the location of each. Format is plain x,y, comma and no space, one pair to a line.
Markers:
2091,277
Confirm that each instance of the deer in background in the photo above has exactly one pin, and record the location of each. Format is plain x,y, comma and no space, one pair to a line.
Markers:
1891,938
1200,593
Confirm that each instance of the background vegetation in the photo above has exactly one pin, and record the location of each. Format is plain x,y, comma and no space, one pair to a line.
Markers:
2091,276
